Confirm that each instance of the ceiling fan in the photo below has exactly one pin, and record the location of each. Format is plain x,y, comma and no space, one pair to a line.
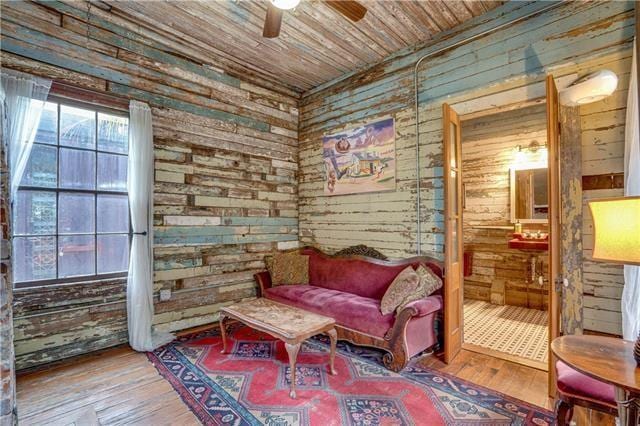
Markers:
349,8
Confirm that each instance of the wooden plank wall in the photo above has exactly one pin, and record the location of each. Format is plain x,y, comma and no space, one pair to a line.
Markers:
603,154
572,217
575,37
488,151
227,179
7,363
316,44
226,155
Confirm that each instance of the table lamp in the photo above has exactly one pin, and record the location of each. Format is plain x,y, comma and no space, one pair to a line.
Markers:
616,231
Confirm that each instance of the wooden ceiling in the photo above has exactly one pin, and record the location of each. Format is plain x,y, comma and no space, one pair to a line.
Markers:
316,44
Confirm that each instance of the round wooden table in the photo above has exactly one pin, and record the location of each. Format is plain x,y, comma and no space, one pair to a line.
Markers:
609,360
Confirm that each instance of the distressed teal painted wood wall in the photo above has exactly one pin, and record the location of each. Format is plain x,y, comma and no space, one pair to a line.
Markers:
576,37
488,144
226,150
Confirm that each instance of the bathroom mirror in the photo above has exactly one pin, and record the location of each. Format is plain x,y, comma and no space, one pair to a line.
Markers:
529,200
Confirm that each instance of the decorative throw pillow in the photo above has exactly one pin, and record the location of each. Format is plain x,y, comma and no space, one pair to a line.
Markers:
429,282
290,268
403,284
428,279
268,263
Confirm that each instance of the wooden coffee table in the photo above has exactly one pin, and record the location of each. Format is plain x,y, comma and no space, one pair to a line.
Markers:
287,323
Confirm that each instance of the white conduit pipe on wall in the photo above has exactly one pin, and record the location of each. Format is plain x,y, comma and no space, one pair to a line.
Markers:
417,110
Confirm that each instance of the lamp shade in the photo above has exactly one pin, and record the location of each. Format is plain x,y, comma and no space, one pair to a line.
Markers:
616,229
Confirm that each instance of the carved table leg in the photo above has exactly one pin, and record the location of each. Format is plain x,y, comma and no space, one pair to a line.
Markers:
628,407
333,335
292,350
223,334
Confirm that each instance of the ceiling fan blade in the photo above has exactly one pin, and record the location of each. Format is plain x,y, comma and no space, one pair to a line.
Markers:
272,22
349,8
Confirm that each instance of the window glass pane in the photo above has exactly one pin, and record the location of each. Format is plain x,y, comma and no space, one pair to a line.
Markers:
76,255
55,230
112,172
113,133
113,253
34,258
77,127
453,193
48,126
76,213
453,147
42,167
77,169
113,213
454,240
35,213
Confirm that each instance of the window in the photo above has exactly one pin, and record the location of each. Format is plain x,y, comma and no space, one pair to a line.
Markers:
71,213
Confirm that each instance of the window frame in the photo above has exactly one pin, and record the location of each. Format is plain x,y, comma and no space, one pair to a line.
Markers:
96,109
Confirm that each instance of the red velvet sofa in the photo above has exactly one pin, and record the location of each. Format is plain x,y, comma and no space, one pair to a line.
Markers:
350,288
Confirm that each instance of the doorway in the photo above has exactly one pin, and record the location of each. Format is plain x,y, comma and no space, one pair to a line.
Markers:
504,184
531,231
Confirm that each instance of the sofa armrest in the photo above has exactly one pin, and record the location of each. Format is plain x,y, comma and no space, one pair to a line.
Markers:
264,281
426,306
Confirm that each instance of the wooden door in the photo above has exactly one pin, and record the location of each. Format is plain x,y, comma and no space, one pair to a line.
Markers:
453,243
555,266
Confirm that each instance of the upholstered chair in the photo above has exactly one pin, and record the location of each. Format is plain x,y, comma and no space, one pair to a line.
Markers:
575,388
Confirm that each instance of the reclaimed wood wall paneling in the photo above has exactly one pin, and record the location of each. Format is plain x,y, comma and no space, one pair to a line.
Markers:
316,44
8,414
497,57
488,145
225,174
575,38
571,220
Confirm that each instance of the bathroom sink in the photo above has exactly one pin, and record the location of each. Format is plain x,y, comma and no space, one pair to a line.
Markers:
539,242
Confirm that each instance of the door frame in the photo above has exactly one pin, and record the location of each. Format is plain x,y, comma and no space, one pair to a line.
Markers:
555,224
554,272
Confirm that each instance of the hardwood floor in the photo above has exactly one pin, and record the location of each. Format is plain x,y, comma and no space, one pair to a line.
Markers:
516,380
123,387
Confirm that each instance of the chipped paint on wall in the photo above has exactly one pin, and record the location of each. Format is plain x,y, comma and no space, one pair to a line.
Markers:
225,174
576,37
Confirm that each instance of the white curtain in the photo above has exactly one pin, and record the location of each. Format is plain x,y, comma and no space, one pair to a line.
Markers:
24,98
631,291
140,186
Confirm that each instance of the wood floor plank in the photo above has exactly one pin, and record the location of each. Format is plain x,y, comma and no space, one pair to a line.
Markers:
94,388
122,398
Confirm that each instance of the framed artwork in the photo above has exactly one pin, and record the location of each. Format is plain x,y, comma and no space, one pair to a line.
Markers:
360,160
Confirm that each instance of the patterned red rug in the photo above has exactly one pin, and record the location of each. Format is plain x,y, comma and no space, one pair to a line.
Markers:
250,386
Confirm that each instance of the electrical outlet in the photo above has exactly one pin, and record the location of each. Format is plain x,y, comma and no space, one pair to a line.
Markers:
165,295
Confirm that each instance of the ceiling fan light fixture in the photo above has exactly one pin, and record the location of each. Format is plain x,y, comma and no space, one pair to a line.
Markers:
285,4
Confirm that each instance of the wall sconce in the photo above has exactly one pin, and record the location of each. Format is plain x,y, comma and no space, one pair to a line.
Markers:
533,154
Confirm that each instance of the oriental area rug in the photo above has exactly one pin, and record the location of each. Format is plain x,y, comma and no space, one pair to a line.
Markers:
250,386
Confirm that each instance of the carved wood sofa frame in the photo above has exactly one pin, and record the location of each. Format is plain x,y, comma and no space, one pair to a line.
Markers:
394,341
